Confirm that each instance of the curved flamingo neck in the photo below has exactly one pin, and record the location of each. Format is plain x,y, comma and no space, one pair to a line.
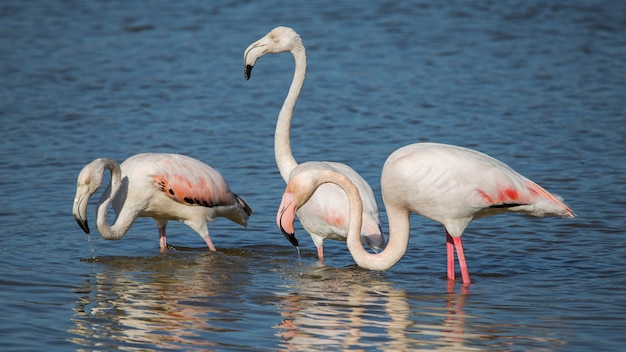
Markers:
282,144
117,230
393,252
398,228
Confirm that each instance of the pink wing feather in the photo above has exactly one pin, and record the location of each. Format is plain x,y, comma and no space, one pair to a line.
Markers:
193,182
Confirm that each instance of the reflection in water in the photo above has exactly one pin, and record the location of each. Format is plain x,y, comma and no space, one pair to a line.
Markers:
217,301
154,302
348,309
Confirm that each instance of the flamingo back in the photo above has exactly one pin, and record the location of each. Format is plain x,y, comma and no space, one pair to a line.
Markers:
446,183
184,180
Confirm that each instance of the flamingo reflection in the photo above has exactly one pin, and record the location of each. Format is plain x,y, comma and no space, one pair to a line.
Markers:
201,302
159,302
347,309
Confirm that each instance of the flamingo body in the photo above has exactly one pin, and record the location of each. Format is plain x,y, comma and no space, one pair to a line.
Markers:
448,184
454,185
161,186
326,215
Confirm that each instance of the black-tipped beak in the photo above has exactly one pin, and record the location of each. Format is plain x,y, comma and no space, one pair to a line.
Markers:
290,237
285,216
247,71
83,224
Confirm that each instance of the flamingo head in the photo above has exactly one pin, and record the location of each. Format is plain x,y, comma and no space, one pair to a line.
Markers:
278,40
286,216
88,183
299,190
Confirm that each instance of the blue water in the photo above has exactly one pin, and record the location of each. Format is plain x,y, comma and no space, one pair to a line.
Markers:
537,84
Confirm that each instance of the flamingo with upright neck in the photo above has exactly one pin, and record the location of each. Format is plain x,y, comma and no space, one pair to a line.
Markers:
325,216
448,184
161,186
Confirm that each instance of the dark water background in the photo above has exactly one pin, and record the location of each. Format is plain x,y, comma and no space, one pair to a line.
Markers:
537,84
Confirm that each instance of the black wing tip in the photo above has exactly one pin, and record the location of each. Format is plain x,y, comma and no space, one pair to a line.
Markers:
244,205
506,205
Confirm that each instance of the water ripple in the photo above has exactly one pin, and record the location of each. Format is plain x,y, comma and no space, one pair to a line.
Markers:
538,85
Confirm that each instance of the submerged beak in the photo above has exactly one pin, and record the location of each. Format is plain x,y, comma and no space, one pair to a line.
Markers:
286,216
80,211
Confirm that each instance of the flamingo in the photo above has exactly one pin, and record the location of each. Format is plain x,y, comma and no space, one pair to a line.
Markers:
325,216
161,186
448,184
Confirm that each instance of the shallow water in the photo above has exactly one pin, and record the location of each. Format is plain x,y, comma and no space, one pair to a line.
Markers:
538,85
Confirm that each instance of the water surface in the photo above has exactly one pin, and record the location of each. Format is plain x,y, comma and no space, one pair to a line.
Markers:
538,85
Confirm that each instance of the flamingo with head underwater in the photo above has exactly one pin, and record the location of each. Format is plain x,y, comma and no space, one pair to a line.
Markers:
448,184
161,186
325,216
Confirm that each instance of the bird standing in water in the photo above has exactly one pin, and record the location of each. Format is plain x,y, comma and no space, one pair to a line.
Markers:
325,216
161,186
445,183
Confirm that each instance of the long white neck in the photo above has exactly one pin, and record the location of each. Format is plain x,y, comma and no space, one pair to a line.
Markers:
282,144
398,230
122,223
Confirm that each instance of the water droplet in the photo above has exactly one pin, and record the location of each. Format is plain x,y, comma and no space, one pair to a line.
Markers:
93,253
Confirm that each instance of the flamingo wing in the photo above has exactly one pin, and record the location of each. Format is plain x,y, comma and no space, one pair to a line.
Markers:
181,178
189,181
443,181
501,187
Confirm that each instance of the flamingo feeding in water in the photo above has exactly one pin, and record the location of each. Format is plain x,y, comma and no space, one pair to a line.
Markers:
161,186
448,184
325,216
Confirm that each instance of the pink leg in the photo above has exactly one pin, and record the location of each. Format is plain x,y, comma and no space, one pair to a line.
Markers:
450,249
161,225
320,253
450,286
459,253
162,239
207,239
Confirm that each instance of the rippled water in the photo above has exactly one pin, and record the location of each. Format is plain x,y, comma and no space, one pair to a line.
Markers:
539,85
